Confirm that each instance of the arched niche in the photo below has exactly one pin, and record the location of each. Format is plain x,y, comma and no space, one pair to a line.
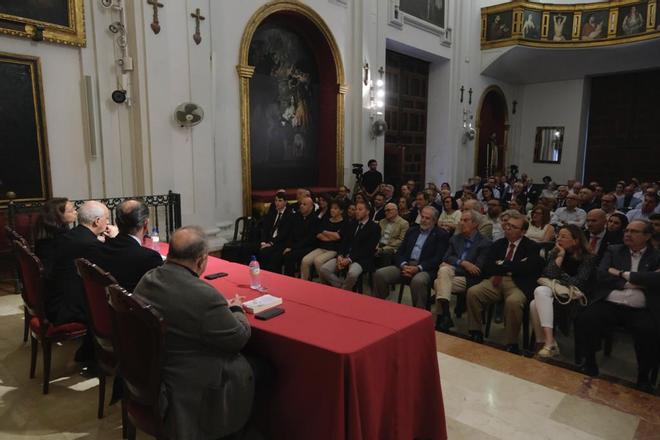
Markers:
301,27
493,118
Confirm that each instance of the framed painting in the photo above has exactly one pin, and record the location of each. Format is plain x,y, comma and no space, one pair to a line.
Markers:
632,20
57,21
499,26
23,151
594,25
561,26
531,28
431,11
284,109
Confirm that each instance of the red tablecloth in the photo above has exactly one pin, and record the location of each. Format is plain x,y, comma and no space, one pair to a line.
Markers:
347,366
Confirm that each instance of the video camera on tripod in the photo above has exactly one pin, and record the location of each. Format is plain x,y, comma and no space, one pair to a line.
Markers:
358,171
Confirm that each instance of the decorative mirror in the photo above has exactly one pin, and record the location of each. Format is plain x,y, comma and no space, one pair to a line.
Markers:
549,141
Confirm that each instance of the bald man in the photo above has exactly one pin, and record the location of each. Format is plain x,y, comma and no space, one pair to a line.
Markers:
208,386
302,239
598,238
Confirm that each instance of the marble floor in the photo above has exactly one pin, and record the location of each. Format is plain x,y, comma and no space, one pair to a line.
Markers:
488,394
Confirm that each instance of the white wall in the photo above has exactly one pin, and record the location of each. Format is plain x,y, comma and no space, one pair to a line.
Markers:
555,104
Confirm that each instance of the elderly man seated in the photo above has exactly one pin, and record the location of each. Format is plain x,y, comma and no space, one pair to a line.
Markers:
417,259
512,267
626,294
393,230
461,267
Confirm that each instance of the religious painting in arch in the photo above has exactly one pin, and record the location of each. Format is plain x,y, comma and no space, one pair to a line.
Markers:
531,28
594,25
561,26
284,109
492,134
632,19
499,26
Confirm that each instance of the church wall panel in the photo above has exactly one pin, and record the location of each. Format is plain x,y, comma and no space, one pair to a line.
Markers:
554,104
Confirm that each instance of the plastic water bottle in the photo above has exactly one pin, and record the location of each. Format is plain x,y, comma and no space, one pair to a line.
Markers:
155,240
255,274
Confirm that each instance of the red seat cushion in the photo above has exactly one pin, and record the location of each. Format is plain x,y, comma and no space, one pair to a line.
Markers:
144,418
69,329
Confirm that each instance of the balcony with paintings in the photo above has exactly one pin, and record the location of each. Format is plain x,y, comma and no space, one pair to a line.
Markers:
568,41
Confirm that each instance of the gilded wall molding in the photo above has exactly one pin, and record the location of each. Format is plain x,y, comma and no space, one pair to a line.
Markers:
73,34
511,18
245,72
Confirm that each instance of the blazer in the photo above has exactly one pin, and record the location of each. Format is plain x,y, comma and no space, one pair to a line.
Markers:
361,247
283,229
618,257
126,259
432,252
608,240
65,297
207,386
377,214
475,255
525,268
397,234
303,231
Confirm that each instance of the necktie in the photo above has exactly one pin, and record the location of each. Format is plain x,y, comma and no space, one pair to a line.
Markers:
358,229
276,224
497,279
593,244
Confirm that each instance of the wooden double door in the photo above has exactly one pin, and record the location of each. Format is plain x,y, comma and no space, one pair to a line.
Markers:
406,85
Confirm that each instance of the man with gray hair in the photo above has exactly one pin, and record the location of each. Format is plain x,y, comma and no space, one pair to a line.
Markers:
461,267
124,256
65,301
203,368
393,230
416,261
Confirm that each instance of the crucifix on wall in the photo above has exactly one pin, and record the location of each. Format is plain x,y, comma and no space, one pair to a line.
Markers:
155,24
197,36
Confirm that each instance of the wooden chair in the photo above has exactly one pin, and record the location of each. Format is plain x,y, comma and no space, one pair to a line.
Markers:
95,281
139,333
13,236
41,330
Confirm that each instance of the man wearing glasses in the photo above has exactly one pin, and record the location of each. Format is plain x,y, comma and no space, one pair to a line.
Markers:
626,294
512,267
570,214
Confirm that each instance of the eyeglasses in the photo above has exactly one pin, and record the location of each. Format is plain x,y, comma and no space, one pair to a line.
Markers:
632,231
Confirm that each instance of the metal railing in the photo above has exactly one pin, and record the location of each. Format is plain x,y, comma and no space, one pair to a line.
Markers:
164,213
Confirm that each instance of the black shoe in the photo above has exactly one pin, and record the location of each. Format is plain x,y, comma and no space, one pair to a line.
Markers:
590,369
513,348
477,337
90,370
443,323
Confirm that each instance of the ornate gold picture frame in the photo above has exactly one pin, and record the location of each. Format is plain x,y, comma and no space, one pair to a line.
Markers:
24,168
56,21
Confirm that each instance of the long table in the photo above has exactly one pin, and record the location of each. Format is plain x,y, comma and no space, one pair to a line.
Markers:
347,366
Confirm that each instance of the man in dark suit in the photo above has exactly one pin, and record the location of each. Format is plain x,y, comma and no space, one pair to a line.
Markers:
124,256
416,261
461,267
626,294
516,193
379,208
598,238
512,267
275,232
302,239
207,385
422,200
532,191
65,301
356,253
